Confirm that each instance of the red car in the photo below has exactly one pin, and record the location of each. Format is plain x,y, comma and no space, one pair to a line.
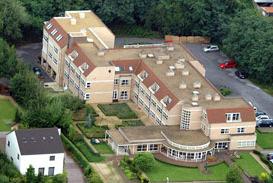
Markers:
229,64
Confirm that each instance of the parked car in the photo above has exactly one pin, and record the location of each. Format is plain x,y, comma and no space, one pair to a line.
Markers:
241,74
259,113
262,117
269,156
265,123
38,72
211,48
229,64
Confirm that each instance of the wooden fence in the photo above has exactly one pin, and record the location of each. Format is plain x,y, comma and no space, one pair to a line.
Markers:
187,39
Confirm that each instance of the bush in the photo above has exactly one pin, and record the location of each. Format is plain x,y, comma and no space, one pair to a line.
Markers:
73,135
225,91
72,102
144,161
234,174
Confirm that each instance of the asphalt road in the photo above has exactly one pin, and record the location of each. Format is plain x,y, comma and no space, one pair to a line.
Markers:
239,87
29,54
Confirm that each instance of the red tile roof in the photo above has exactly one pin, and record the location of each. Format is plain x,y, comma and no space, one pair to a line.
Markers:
58,27
125,64
81,59
163,90
219,115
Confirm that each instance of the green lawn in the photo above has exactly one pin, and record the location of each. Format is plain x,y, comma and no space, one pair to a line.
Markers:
176,173
87,152
7,114
249,164
133,122
264,140
94,131
121,110
103,148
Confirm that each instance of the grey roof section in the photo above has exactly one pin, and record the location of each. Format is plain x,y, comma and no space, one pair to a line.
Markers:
39,141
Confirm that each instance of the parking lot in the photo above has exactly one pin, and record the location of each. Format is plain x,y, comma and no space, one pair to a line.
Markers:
29,54
227,78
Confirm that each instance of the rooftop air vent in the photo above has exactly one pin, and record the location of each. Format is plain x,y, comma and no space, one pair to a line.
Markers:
170,73
150,55
217,97
82,15
208,96
73,21
142,55
101,53
194,104
185,72
194,97
170,48
182,85
195,92
181,60
197,84
163,57
179,65
159,61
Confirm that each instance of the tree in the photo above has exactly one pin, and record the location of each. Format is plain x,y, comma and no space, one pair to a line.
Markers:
144,161
234,174
264,177
8,60
30,175
12,18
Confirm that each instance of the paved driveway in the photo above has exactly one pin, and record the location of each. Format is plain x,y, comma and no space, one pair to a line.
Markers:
239,87
75,174
29,54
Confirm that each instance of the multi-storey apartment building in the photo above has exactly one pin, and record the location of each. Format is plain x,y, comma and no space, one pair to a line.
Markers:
192,118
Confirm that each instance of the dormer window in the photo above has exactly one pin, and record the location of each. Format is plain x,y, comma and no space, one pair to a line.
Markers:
143,75
49,26
154,88
59,37
233,117
84,67
54,32
166,100
73,55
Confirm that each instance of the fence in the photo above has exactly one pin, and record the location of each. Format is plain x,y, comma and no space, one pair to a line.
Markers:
187,39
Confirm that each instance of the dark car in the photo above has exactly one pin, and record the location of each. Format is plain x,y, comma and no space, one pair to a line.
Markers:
241,74
37,71
265,123
259,113
269,156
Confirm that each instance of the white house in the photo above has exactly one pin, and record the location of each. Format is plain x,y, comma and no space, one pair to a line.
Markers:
40,147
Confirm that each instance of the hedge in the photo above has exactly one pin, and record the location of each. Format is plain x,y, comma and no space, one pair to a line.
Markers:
264,159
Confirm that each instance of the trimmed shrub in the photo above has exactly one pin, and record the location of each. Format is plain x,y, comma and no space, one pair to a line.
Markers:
144,161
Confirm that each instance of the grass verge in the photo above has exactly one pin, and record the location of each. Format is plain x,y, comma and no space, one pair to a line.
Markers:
7,114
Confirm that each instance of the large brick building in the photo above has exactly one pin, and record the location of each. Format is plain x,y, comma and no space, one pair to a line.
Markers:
164,80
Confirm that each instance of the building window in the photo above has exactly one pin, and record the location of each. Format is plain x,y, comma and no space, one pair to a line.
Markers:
224,131
8,143
158,121
77,86
51,158
88,84
152,114
55,50
115,94
148,96
11,159
45,38
51,171
146,108
116,81
67,62
78,75
185,119
165,116
55,61
54,32
87,96
137,85
72,70
159,109
140,101
124,82
123,95
153,102
50,55
233,117
82,81
246,143
72,81
141,148
153,147
240,130
41,171
18,156
141,90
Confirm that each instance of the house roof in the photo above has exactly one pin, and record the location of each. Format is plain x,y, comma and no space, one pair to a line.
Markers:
60,32
219,115
268,9
39,141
